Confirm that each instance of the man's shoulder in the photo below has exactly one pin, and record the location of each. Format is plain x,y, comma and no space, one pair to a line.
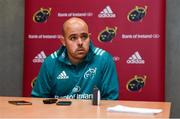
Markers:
101,53
51,58
102,56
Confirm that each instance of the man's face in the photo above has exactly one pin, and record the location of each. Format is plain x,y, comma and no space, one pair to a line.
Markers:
76,40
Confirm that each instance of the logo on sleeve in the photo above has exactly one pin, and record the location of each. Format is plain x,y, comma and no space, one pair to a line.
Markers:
90,73
63,75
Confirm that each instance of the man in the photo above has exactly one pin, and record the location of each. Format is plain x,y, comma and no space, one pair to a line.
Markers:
78,66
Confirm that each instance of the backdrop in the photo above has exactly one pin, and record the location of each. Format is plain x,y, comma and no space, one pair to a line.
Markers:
133,32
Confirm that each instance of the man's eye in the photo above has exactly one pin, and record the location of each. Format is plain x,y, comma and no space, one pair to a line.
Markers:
73,38
84,37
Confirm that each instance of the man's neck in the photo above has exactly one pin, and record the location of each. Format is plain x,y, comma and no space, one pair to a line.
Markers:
74,60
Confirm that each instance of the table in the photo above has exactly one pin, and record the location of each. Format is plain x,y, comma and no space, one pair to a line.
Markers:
78,109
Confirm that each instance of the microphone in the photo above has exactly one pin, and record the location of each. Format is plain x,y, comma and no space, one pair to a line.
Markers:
96,96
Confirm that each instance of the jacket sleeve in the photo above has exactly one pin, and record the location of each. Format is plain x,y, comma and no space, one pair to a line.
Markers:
42,87
110,84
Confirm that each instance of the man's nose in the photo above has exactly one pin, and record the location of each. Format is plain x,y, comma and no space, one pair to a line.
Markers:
80,42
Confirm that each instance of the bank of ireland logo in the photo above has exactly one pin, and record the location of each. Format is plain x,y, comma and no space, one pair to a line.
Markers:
76,89
135,59
90,73
107,34
41,16
136,83
137,14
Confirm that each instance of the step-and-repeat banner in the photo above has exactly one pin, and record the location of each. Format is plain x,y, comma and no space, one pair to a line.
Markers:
132,31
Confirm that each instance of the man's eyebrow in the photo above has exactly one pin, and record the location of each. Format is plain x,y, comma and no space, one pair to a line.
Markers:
77,34
84,33
72,35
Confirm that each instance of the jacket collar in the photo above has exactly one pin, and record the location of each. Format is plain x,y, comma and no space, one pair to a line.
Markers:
63,57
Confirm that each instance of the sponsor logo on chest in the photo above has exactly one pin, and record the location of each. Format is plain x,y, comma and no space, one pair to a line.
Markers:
63,75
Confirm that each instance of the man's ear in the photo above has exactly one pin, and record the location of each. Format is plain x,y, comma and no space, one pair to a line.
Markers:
63,41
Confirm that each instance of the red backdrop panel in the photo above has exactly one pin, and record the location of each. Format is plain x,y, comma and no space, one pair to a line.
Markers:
132,31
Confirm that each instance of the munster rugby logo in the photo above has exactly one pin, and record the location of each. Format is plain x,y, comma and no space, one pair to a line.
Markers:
41,15
136,84
137,14
90,73
107,34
